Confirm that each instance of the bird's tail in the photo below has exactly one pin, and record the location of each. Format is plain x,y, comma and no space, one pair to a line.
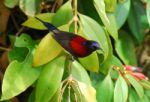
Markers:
48,25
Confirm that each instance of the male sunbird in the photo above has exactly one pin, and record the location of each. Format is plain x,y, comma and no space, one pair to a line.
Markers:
76,45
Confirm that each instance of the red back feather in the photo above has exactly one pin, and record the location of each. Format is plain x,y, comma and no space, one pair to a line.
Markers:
77,46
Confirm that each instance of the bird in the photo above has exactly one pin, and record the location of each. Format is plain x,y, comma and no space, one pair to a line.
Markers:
76,45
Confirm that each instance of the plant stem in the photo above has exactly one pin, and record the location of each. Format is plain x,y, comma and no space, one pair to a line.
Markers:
75,16
5,49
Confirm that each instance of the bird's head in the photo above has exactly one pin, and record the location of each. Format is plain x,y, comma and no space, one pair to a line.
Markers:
92,45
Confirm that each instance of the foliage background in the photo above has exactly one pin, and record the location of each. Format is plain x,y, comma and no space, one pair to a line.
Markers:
35,68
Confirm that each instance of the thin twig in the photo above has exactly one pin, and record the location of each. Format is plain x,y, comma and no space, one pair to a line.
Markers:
19,31
75,16
14,21
5,49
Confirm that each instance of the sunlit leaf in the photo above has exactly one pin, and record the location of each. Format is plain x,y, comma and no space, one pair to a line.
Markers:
137,86
121,13
11,3
30,7
88,92
63,15
23,73
90,62
31,22
79,73
93,31
148,11
107,18
50,80
47,49
105,90
121,90
110,5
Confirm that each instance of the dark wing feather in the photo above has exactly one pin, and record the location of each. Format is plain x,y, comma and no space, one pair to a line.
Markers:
64,38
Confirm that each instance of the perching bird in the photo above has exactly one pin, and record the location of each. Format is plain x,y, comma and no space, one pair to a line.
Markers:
76,45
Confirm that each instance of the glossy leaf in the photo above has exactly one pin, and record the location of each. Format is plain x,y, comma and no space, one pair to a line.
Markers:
137,21
23,73
137,86
63,15
30,7
121,13
88,92
31,22
148,11
25,41
88,10
110,5
108,19
133,97
50,80
47,50
145,84
125,49
109,63
105,90
121,90
18,53
91,62
79,73
93,31
11,3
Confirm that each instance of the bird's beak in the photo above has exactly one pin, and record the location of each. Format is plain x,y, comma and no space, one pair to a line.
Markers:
100,49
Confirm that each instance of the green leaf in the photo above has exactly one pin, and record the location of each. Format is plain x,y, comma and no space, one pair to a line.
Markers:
18,53
148,11
88,92
23,73
125,49
121,90
50,80
46,51
137,86
121,13
25,41
11,3
105,90
93,31
110,5
91,62
79,73
145,84
30,7
88,10
31,22
133,97
137,21
108,19
110,63
63,15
